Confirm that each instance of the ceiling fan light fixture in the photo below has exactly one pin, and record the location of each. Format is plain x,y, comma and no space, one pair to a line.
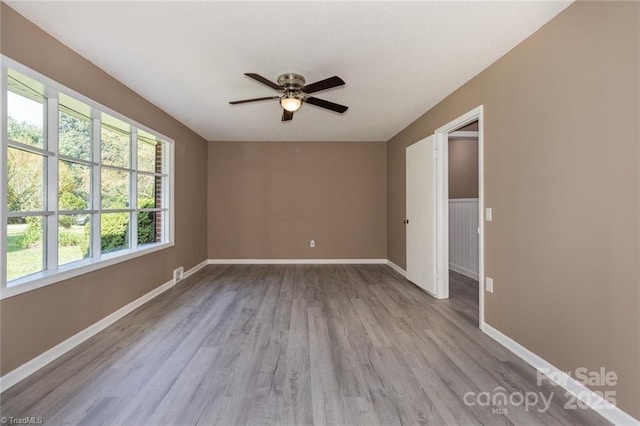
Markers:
290,103
294,92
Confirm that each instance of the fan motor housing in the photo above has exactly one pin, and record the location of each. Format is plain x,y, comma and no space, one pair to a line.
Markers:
291,81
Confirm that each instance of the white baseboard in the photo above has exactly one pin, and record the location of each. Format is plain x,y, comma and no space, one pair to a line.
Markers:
30,367
464,271
295,261
607,410
195,269
397,268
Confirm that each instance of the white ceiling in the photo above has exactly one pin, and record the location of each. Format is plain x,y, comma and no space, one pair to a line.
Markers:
398,59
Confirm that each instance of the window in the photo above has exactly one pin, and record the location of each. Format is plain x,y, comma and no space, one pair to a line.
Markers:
82,186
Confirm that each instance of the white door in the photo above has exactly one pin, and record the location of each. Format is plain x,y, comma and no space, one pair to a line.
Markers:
421,214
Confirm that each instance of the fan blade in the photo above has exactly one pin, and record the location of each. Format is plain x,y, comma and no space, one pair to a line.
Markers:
325,84
287,115
261,79
244,101
326,104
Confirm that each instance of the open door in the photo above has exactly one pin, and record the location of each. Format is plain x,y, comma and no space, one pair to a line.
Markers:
421,214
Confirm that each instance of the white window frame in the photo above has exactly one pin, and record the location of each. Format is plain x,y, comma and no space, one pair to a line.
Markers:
52,273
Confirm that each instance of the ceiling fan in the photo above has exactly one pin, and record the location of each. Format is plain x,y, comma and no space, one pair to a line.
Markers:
295,92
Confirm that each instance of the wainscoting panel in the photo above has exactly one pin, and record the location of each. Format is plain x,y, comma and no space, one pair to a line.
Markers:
463,236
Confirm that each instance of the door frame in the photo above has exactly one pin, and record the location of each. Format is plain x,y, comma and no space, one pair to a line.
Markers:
442,204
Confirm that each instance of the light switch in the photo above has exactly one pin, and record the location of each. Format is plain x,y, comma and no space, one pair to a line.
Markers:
488,214
488,283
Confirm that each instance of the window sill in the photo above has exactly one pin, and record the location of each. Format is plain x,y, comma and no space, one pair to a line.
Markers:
65,272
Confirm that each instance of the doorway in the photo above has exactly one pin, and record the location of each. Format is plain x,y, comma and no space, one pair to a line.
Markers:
427,208
462,147
459,206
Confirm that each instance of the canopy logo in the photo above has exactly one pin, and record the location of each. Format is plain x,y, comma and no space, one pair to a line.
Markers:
500,400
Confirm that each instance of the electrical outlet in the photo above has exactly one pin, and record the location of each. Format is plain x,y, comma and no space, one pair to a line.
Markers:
178,274
488,284
312,243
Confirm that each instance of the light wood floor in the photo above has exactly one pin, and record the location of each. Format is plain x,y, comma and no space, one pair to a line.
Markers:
289,345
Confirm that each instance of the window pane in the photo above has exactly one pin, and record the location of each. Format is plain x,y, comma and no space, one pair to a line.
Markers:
25,110
74,186
74,134
149,155
115,147
116,142
149,192
114,231
74,238
25,251
149,227
25,181
115,189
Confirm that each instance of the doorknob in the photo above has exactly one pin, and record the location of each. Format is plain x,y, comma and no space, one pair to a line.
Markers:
406,221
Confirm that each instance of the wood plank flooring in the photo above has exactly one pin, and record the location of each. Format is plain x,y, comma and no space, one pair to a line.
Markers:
291,345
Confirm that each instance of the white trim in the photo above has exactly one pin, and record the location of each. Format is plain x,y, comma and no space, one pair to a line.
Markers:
463,134
31,213
296,261
78,160
118,168
575,388
133,188
30,367
443,210
480,214
4,165
70,270
30,148
397,268
193,270
168,190
303,262
96,182
51,184
463,271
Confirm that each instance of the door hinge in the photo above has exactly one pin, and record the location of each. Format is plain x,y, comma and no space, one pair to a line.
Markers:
435,154
437,274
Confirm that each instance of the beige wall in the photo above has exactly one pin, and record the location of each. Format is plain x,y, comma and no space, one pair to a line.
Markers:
268,199
562,176
463,168
38,320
